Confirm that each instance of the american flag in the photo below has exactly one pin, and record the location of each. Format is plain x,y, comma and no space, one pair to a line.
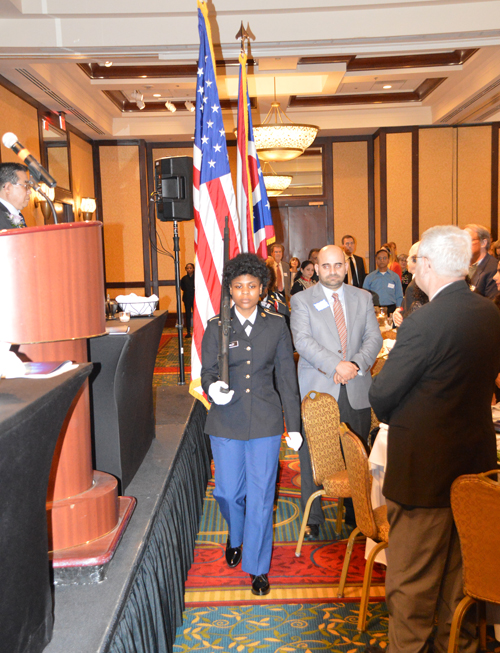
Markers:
257,230
213,198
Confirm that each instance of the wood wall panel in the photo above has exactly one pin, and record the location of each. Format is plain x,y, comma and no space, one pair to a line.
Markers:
399,190
166,270
21,118
350,193
474,175
82,170
307,229
122,220
436,178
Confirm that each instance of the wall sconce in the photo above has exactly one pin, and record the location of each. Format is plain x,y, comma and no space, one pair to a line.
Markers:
41,202
87,207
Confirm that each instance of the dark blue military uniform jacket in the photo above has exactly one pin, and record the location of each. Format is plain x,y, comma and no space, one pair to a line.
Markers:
261,373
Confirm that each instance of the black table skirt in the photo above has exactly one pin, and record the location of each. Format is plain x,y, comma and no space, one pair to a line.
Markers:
155,602
31,416
123,424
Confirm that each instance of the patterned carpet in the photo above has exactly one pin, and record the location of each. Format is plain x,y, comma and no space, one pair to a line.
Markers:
302,612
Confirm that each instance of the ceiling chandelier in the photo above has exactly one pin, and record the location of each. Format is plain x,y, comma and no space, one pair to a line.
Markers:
275,184
277,140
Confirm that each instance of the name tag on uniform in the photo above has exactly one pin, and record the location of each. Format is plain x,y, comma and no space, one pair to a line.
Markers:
320,306
390,285
233,344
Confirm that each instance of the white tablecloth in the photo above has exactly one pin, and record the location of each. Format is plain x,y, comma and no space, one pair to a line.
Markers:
378,460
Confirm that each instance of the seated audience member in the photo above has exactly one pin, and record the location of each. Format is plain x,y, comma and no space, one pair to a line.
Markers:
294,266
356,271
497,304
313,257
482,266
393,259
495,249
415,296
304,279
385,283
406,275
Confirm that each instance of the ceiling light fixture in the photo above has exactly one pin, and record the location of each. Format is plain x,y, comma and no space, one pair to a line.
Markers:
275,184
189,106
156,94
138,98
108,63
277,140
170,106
387,86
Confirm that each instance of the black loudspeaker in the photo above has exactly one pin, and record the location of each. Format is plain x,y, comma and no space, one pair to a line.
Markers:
174,188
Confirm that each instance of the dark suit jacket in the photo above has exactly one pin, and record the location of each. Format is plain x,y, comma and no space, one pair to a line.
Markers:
360,269
262,375
483,277
5,223
435,393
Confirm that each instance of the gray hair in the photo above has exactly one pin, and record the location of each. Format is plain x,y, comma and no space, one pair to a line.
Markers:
449,249
8,173
482,233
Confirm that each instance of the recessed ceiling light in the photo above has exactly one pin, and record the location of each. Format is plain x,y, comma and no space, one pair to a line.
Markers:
387,86
156,94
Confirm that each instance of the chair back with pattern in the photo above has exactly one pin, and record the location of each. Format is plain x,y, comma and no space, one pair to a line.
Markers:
321,419
358,471
475,502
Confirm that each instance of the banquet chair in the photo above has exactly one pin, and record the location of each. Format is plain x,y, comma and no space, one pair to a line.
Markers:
370,522
321,419
475,502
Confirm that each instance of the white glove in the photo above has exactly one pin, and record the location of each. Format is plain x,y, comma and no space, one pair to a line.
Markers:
220,398
294,440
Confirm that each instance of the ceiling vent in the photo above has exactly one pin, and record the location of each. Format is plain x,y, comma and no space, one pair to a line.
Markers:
25,73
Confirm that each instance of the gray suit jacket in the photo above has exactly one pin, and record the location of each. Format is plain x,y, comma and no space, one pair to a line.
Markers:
317,341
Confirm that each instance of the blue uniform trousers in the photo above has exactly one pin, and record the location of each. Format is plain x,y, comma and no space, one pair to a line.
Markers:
245,482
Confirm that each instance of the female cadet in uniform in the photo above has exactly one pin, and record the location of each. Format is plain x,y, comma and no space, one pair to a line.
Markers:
246,424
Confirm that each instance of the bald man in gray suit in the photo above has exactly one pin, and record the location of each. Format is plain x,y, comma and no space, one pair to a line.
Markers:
336,333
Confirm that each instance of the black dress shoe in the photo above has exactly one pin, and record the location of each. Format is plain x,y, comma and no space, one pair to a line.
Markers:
312,532
260,585
233,555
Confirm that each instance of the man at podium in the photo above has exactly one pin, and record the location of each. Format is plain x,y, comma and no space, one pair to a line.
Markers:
15,190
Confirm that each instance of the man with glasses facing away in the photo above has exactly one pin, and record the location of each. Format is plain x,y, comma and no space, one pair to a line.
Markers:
434,392
15,190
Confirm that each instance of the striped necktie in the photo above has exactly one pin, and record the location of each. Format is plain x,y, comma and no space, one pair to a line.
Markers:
340,322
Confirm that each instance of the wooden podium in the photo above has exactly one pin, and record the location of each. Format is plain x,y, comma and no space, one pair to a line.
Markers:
52,300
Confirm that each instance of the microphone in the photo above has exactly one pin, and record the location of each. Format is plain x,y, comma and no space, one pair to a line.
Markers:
37,171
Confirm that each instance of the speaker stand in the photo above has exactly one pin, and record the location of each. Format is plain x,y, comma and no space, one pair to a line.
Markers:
179,325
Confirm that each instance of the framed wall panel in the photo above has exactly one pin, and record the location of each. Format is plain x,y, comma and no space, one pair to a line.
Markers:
350,194
165,239
474,175
19,117
436,186
122,219
307,229
399,190
82,170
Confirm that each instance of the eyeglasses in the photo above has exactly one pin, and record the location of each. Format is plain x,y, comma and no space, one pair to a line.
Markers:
27,186
413,259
